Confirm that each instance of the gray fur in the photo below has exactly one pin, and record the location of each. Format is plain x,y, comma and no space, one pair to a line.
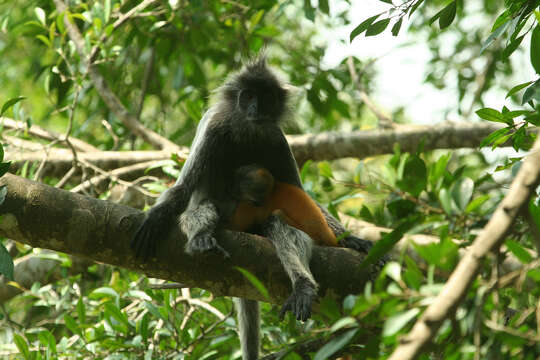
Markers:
199,217
293,247
248,327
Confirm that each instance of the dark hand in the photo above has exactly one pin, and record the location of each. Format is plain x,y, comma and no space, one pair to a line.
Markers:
156,226
355,243
299,302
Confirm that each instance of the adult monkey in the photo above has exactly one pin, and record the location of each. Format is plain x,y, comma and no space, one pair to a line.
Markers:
242,128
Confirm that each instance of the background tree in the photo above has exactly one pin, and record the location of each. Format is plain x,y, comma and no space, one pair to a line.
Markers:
96,93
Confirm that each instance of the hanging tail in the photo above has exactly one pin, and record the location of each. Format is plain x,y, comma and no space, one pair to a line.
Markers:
248,325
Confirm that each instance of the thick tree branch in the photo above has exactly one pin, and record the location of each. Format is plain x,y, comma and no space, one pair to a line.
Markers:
105,92
323,146
361,144
523,186
59,161
45,217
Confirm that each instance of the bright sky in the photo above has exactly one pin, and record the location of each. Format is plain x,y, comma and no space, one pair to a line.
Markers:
401,67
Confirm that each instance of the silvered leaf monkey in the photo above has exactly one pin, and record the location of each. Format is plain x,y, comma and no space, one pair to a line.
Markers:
242,128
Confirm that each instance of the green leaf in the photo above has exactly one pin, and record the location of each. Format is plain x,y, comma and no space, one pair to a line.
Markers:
519,138
10,103
309,11
22,345
446,201
40,14
495,35
386,243
104,292
341,323
516,88
415,6
6,263
447,15
514,44
71,324
534,210
414,177
113,311
396,27
516,113
532,93
4,167
494,136
60,23
438,170
324,7
335,345
443,254
500,141
107,10
462,191
523,255
490,114
48,340
81,311
535,49
325,169
363,26
378,27
254,281
476,203
396,322
44,40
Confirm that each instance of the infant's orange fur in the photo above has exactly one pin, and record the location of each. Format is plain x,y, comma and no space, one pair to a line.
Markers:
290,202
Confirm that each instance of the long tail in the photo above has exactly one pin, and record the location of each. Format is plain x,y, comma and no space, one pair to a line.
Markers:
248,325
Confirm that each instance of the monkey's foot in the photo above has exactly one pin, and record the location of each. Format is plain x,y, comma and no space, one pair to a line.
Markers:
204,242
299,302
155,227
355,243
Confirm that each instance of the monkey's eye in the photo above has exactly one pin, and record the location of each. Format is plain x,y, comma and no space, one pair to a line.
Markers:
245,98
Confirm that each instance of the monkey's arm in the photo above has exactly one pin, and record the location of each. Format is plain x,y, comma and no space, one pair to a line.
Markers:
163,215
349,241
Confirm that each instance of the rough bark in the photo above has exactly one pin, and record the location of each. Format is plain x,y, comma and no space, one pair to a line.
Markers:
317,147
361,144
45,217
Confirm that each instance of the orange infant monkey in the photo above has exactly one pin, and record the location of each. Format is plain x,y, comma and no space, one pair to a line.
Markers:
259,196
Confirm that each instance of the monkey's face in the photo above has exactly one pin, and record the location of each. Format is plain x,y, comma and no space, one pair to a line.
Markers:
262,102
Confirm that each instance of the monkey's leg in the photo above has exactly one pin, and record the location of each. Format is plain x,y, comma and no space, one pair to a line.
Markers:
293,248
199,223
248,326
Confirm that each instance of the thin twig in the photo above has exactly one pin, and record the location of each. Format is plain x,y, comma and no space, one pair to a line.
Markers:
113,175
